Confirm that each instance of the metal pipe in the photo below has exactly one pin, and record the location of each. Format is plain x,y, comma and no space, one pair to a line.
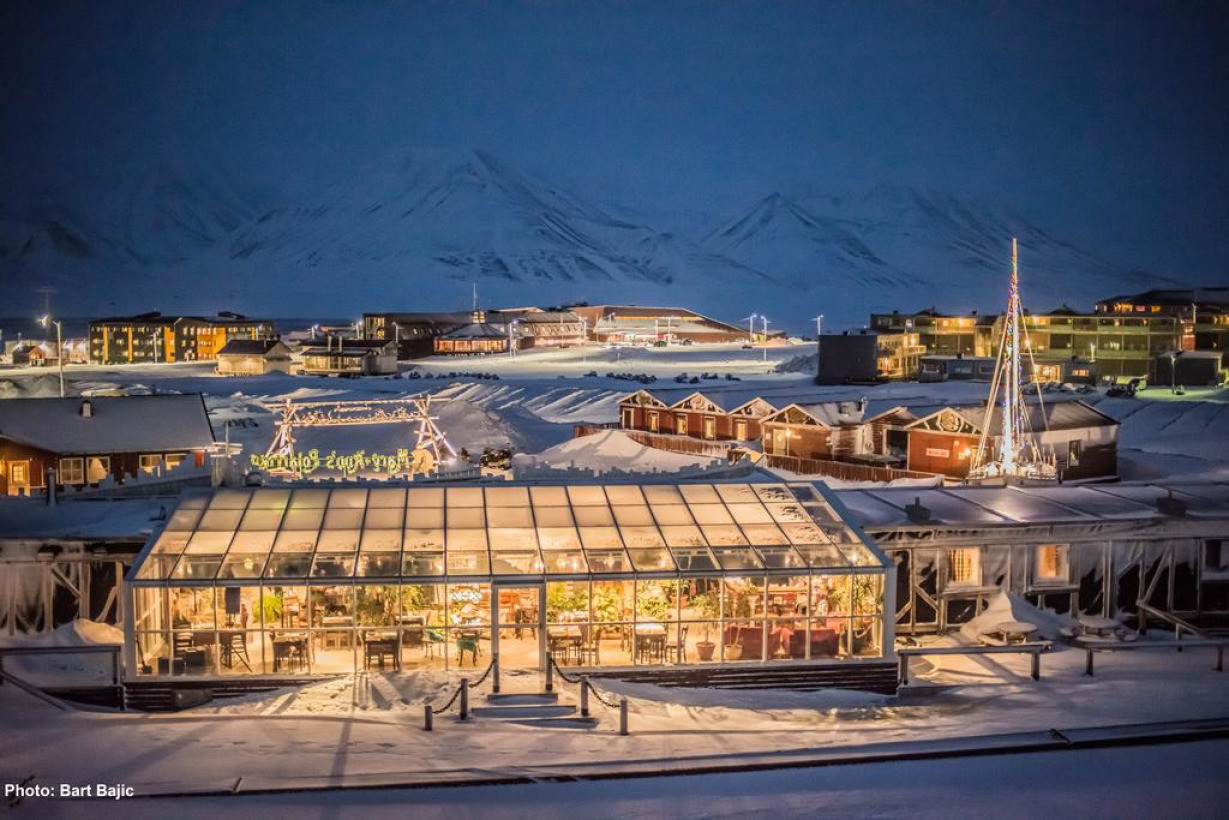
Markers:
464,698
495,672
550,678
1036,670
584,696
428,717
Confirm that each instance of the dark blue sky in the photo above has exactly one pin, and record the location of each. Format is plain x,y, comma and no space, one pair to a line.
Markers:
1105,121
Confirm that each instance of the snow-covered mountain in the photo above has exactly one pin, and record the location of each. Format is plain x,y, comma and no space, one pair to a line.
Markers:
413,231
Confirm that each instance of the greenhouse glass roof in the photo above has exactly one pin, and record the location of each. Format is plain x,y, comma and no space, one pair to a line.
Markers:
334,533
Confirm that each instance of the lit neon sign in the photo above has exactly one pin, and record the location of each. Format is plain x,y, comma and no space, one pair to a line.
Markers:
403,461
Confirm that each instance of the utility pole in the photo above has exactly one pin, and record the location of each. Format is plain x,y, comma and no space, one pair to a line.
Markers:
764,319
59,347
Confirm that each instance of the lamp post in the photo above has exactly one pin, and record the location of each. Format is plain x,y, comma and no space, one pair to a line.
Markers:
59,347
764,319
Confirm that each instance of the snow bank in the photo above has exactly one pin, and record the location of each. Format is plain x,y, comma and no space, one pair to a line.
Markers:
1009,606
611,449
808,363
81,632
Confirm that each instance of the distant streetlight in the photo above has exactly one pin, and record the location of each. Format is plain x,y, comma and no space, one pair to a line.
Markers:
59,347
764,319
314,329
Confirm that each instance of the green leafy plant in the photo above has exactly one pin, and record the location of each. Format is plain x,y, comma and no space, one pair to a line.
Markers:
709,607
564,597
271,608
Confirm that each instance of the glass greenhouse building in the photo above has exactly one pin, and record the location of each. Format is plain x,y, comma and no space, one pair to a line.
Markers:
332,579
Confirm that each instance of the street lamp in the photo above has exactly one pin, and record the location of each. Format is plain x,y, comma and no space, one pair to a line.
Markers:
59,347
764,319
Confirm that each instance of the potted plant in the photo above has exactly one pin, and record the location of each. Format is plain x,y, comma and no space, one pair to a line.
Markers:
709,608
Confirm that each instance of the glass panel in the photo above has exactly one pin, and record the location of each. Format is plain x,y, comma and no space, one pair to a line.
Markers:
377,605
553,516
303,519
567,602
252,543
689,536
558,538
737,559
827,637
464,497
466,540
384,518
750,514
830,595
342,519
859,555
867,594
507,497
295,542
593,516
424,518
381,541
338,541
308,499
699,494
781,558
608,562
508,517
586,496
564,562
379,564
425,498
230,499
390,497
671,514
736,493
292,565
242,566
422,564
772,492
662,494
157,567
255,519
210,542
803,534
656,604
424,540
724,536
469,604
865,637
471,562
764,534
195,500
183,519
823,555
333,566
692,560
348,499
652,560
514,539
466,517
197,567
711,514
170,543
224,519
789,513
508,562
549,496
599,537
624,494
633,516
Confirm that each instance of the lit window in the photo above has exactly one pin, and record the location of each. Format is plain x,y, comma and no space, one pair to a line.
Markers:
680,424
1051,564
653,422
150,463
97,468
72,471
1073,454
173,460
964,567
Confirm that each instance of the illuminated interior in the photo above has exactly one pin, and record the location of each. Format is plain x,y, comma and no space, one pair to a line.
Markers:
326,580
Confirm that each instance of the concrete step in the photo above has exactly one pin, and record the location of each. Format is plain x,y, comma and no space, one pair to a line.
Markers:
573,722
523,698
519,712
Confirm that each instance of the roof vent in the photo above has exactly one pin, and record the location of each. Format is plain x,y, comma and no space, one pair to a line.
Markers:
87,409
1171,506
917,512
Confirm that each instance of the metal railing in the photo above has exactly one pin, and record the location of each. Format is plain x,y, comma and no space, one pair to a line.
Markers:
1179,645
586,687
112,650
461,694
1034,649
1145,610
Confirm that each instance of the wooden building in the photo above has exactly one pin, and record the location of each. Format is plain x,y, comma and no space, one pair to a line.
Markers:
1081,440
254,357
481,338
696,416
826,430
88,440
152,337
351,358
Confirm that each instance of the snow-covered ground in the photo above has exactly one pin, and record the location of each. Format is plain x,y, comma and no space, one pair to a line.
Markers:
540,394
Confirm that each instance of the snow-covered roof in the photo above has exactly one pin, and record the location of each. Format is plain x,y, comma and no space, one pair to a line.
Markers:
470,532
1059,415
114,424
250,347
478,330
963,507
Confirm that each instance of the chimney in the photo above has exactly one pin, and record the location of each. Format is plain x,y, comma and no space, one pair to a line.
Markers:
862,402
87,409
917,513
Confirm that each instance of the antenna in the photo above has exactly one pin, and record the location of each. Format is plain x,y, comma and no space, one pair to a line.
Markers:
475,307
46,292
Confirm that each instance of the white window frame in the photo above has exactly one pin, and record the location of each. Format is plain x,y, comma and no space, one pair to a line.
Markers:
654,419
150,462
680,424
1063,559
104,462
975,573
71,470
173,460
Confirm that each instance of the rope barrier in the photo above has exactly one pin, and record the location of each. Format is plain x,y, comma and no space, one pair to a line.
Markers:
485,675
562,674
448,705
597,693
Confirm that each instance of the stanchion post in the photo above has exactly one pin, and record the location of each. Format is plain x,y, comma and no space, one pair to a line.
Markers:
495,672
550,672
428,717
623,716
464,698
904,670
584,696
1036,665
1088,663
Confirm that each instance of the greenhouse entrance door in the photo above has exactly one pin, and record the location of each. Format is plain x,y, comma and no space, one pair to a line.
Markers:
518,627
